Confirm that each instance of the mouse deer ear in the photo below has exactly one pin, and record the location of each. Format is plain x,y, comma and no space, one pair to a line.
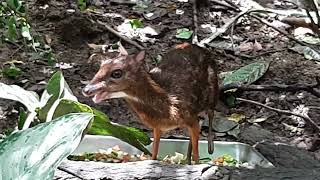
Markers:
122,50
140,56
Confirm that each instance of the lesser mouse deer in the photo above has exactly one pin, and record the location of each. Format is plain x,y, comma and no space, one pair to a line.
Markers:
169,96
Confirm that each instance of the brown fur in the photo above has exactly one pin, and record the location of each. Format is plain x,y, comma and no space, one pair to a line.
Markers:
171,95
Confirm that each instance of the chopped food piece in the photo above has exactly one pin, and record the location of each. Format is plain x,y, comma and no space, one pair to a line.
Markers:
115,155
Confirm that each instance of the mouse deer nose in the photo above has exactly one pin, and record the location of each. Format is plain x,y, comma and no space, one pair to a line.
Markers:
89,90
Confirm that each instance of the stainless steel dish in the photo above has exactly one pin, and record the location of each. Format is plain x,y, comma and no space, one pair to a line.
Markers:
240,151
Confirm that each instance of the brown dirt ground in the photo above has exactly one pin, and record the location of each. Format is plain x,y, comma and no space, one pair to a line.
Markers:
71,31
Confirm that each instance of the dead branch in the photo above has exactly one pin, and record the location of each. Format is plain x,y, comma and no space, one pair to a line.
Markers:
313,107
123,2
311,88
282,32
232,4
225,4
226,26
286,112
111,30
195,24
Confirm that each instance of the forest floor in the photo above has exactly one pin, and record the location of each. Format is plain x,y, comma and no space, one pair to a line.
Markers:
70,32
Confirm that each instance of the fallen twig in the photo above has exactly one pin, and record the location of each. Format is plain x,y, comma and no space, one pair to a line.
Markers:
313,107
111,30
225,4
195,24
282,32
276,87
232,4
286,112
124,2
223,29
226,26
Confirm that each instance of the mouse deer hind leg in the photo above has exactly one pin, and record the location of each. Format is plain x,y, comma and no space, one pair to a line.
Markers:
212,98
210,135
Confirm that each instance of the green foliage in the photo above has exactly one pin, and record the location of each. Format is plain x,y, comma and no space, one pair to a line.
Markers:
57,100
15,28
11,71
15,5
101,125
82,4
184,33
14,22
136,23
247,74
36,152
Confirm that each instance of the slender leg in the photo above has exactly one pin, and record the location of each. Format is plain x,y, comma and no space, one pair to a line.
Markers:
194,134
189,152
210,135
156,141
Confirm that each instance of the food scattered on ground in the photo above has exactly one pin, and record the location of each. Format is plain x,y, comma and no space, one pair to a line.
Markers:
111,155
227,160
115,155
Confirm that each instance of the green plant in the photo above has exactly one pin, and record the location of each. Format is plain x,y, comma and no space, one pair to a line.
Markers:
35,153
136,23
14,22
58,100
82,4
184,33
245,75
16,29
12,71
51,128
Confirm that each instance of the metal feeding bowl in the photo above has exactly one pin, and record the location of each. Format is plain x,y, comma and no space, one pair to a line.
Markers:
239,151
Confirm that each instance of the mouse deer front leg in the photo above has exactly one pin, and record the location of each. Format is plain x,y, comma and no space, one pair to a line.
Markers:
156,142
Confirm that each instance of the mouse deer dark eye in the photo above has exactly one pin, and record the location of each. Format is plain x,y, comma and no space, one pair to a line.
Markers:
116,74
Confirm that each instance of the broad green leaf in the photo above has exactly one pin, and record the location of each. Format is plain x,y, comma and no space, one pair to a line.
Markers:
56,89
130,135
29,99
25,32
36,152
102,126
247,74
136,23
184,33
310,39
13,92
12,71
222,124
308,53
22,118
311,54
12,34
235,131
14,4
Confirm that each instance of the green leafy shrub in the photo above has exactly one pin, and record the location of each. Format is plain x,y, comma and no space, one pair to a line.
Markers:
56,114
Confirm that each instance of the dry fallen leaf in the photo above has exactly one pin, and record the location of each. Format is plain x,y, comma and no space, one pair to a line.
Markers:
248,46
236,117
257,46
48,39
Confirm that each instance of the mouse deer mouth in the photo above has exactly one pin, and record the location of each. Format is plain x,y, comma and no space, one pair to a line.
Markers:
97,90
100,93
100,96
